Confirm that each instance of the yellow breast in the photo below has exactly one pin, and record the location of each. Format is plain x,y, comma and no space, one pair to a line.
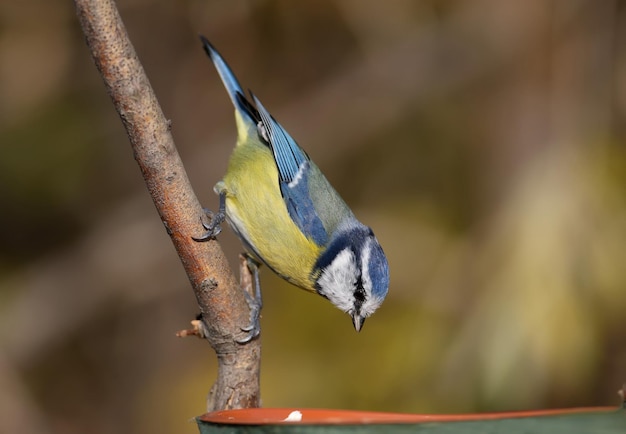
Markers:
256,208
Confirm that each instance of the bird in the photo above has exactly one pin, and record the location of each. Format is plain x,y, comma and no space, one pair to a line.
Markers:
289,217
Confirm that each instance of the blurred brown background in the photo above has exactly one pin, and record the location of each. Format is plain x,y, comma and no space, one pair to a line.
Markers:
484,141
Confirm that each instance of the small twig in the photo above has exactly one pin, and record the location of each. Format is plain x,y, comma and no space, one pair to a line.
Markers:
197,329
221,301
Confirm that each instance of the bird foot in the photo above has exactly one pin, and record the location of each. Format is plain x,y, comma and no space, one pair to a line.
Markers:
213,228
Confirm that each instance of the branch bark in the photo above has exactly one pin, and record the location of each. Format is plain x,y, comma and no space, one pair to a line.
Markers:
221,300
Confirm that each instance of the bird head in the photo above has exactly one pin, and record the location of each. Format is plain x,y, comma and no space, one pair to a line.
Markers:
353,274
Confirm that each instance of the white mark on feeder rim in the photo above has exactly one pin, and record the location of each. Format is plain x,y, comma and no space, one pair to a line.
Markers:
294,416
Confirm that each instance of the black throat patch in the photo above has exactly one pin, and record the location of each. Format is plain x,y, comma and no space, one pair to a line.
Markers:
359,294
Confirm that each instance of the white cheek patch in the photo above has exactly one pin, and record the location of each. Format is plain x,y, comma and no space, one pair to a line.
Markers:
337,280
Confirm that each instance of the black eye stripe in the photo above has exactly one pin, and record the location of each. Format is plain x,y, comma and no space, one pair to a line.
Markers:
353,240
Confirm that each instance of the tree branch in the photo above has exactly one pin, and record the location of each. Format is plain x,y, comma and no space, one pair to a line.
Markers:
221,301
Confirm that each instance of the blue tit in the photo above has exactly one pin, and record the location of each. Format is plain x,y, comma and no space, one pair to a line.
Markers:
288,215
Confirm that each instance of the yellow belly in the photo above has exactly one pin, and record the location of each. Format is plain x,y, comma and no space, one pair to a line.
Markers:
256,209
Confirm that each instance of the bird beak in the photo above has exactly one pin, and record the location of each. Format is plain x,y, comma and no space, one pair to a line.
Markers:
358,321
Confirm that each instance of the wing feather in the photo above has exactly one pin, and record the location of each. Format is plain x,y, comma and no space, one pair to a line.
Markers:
294,169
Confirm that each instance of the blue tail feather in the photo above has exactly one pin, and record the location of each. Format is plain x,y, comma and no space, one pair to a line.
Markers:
235,92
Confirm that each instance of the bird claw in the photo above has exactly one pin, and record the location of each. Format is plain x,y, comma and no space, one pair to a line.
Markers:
253,329
213,228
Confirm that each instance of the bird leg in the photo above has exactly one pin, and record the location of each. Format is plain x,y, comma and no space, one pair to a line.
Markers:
255,301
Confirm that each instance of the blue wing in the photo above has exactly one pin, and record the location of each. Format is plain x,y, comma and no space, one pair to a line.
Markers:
293,172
